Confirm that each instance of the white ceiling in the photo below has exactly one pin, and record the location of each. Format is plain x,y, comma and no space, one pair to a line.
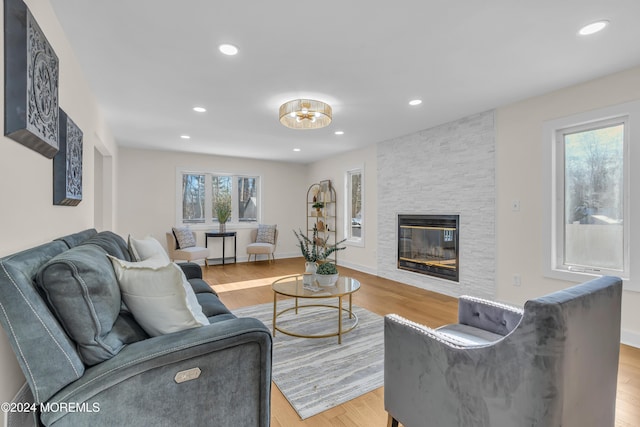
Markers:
150,61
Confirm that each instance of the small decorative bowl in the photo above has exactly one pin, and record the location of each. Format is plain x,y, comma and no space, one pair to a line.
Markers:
326,279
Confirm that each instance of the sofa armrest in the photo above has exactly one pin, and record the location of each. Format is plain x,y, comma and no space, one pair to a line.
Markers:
488,315
140,385
191,270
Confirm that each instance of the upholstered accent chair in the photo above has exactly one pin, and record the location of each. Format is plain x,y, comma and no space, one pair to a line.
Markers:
262,248
191,254
553,364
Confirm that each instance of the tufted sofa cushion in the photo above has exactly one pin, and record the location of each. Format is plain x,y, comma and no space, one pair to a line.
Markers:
81,288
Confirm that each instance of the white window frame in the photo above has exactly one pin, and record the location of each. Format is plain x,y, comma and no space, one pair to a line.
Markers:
354,241
560,206
209,221
553,188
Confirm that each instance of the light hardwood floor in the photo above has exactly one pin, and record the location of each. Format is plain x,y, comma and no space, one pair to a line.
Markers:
246,284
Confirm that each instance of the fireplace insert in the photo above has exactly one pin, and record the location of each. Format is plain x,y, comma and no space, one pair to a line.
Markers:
428,244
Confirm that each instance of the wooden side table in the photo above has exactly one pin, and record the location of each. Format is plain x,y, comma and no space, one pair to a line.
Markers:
224,260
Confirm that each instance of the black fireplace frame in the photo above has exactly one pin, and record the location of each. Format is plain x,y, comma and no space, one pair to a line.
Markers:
430,220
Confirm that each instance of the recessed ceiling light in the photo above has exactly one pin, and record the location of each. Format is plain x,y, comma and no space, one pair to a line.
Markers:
339,132
199,109
185,137
415,102
228,49
296,150
593,28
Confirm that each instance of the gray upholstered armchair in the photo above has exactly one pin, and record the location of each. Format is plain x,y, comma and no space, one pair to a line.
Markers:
555,363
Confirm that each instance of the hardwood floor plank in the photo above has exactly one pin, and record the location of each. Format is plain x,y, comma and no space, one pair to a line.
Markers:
245,284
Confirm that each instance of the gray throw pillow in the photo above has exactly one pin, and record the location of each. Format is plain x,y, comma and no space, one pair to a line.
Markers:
184,237
82,291
266,234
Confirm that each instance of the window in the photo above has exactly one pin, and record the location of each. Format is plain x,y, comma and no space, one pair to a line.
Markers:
247,198
354,218
589,205
591,219
200,190
220,186
193,198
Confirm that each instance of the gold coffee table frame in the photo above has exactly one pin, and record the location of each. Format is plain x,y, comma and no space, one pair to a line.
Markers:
292,286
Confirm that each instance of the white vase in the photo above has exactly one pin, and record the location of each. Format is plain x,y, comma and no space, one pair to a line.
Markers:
327,279
310,267
309,273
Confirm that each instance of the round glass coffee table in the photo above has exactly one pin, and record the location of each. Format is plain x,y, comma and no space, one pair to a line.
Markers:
292,286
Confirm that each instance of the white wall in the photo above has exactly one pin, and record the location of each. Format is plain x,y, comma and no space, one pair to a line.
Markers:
519,176
27,215
147,195
362,258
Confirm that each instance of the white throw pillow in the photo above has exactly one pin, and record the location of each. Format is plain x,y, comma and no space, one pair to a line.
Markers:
142,249
158,295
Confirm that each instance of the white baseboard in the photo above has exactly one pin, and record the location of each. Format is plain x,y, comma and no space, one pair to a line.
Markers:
630,338
358,267
277,255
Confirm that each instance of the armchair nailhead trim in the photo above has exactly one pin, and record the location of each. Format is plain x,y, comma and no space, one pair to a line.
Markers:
493,304
427,331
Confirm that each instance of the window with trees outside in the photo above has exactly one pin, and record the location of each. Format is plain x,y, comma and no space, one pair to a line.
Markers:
200,191
591,187
354,218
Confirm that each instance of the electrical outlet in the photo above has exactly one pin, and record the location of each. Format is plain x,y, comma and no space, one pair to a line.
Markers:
515,205
517,280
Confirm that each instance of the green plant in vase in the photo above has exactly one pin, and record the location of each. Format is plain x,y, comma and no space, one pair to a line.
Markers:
327,268
314,250
311,250
223,209
327,274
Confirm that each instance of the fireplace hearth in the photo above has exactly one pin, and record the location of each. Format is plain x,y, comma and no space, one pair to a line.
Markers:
428,244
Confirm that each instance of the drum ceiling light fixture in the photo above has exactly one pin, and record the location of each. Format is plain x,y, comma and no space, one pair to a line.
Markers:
305,114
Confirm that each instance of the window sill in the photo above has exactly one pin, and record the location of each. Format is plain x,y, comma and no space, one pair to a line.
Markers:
355,242
578,276
215,225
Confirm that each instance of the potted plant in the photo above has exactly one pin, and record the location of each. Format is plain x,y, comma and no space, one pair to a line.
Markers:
318,206
223,209
314,252
327,274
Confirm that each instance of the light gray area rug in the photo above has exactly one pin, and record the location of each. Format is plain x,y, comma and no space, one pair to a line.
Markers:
318,374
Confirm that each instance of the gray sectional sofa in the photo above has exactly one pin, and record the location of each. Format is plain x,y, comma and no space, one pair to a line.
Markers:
88,362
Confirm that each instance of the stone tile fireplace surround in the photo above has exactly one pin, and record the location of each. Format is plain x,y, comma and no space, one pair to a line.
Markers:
449,169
